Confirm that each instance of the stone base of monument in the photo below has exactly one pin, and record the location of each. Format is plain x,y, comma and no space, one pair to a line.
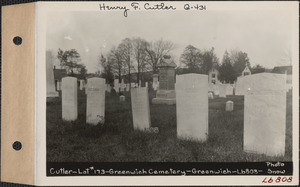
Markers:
165,97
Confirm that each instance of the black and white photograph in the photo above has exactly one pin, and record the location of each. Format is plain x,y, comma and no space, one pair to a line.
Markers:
168,84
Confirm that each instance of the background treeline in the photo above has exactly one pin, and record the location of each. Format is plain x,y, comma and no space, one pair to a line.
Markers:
136,59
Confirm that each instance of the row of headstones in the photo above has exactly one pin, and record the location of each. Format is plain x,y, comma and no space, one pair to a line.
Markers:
264,109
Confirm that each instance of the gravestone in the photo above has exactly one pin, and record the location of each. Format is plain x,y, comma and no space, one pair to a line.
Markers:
146,84
155,82
122,98
140,108
116,85
265,114
229,106
50,84
166,90
81,84
95,109
140,83
108,88
210,95
192,106
127,87
69,99
222,90
122,86
132,85
58,85
229,89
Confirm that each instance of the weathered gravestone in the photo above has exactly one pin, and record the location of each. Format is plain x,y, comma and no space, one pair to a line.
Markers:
166,91
95,110
140,108
192,106
132,85
122,98
69,98
229,106
210,95
58,86
50,84
155,82
81,84
229,89
108,88
127,87
265,114
116,85
122,86
146,84
222,90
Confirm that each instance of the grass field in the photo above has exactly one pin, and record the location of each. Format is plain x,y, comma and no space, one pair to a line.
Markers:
116,141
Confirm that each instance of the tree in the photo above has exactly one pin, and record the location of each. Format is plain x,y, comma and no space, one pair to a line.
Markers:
70,60
226,71
156,50
107,71
140,55
257,69
125,48
191,58
240,60
210,60
115,59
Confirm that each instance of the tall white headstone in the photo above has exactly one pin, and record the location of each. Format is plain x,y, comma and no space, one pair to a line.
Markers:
81,84
192,106
95,110
140,108
146,84
222,90
108,88
265,114
69,98
116,85
58,85
50,84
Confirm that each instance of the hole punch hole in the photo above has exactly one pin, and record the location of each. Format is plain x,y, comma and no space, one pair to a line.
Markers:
17,145
17,40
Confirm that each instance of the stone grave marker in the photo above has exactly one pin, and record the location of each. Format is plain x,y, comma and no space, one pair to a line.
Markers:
166,90
95,110
192,106
210,95
81,84
108,88
69,99
265,114
146,84
58,85
140,108
116,85
122,98
222,90
229,106
50,84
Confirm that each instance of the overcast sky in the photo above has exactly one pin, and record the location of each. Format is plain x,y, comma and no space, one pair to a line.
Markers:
265,36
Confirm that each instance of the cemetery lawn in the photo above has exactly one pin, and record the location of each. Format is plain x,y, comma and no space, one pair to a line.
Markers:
116,141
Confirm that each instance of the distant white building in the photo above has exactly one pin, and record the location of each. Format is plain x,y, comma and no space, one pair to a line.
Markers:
213,75
246,72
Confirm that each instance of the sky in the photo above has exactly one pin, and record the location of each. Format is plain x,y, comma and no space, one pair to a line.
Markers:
266,36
